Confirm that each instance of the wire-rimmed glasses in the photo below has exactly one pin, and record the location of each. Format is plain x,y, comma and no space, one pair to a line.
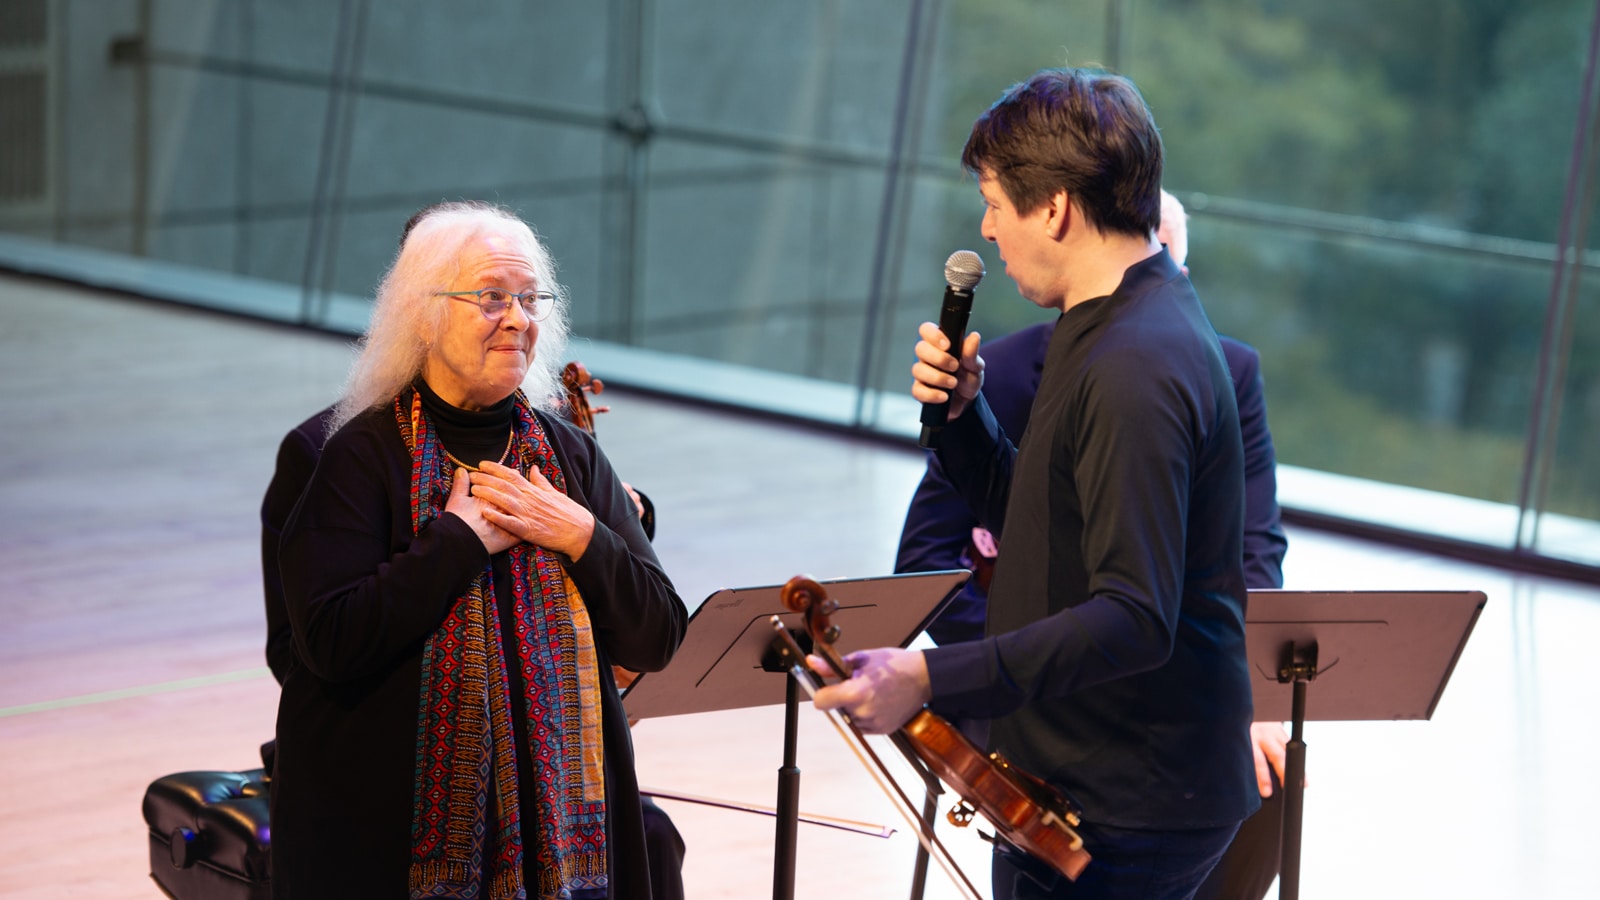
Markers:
495,301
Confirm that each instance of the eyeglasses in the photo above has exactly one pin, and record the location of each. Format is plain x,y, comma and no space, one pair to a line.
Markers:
496,301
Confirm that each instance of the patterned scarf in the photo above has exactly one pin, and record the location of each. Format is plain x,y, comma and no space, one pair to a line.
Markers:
468,840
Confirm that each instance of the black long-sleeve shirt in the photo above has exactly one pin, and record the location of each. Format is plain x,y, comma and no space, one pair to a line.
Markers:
1115,663
938,524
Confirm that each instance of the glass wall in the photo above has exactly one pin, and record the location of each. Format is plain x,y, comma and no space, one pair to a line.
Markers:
1391,203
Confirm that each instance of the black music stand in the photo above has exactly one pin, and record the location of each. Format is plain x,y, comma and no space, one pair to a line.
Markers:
1374,655
728,641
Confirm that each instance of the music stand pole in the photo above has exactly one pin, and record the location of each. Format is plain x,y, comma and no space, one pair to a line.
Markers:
1300,669
788,816
930,808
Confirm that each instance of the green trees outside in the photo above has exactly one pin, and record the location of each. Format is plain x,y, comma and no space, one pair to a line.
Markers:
1375,189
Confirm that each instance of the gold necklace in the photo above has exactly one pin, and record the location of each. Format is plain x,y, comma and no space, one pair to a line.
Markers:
505,455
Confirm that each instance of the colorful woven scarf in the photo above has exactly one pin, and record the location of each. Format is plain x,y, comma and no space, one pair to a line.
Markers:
468,840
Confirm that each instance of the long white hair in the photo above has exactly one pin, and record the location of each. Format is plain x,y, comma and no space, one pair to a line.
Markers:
407,319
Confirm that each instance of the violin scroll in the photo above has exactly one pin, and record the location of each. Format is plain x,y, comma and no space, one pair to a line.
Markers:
578,384
802,594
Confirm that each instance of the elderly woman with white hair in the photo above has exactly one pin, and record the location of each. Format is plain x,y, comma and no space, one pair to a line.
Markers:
461,573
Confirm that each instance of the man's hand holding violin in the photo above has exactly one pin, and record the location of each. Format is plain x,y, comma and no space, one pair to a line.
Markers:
885,689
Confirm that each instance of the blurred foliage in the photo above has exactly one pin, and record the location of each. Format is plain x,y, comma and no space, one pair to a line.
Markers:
1393,361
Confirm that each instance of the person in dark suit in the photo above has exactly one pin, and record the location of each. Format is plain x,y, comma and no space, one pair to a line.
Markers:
297,458
939,534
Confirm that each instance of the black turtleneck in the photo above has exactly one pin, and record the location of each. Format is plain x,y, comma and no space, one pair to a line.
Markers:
471,436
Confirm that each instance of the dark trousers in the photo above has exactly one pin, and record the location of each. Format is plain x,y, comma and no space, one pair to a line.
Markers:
1246,871
665,848
1128,864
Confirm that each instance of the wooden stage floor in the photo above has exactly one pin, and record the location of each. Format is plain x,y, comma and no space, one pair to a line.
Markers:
138,438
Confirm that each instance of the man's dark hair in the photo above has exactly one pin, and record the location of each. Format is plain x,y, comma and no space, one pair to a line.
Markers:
1080,130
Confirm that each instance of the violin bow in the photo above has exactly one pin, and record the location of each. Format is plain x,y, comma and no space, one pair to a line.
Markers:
870,829
801,671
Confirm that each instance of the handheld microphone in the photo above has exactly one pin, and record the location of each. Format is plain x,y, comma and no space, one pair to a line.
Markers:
962,272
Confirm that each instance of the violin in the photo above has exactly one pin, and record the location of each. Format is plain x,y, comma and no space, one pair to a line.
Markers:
578,384
1026,811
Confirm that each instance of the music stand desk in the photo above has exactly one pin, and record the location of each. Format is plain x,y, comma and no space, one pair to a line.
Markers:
719,665
1373,655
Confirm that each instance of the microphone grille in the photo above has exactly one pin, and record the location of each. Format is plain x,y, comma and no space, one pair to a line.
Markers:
963,270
